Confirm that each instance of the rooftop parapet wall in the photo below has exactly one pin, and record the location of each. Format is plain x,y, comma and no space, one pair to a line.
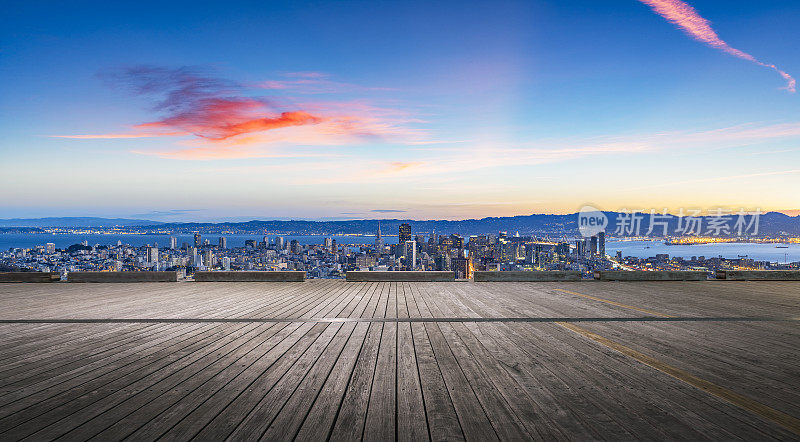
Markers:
250,276
482,276
759,275
626,275
29,276
122,277
402,276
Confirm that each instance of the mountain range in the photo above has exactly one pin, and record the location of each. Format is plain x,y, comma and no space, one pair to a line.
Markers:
772,223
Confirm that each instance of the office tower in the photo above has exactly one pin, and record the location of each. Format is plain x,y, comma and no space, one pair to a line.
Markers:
601,240
226,263
223,242
462,267
197,241
208,258
410,254
457,241
379,240
280,243
404,233
328,244
593,242
173,243
295,248
619,255
250,244
334,247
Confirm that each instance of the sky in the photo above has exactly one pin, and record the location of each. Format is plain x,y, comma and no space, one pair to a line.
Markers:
179,111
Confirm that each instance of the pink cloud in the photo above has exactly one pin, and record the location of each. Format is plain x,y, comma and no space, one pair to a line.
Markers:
685,17
222,112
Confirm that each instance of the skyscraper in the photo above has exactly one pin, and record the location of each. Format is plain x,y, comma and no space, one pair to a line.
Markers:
601,241
197,240
295,247
410,254
594,245
379,239
173,243
152,256
223,242
405,233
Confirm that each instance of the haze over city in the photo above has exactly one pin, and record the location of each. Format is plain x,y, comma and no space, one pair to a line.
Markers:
406,110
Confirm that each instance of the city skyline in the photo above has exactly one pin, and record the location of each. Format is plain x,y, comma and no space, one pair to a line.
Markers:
407,110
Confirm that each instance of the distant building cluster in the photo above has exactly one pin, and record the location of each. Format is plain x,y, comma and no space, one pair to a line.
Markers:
413,251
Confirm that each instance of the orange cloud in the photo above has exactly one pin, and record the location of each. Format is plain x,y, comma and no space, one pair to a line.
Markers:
220,112
685,17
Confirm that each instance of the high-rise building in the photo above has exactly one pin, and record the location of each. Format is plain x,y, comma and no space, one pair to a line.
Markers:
410,254
619,255
593,247
152,256
223,242
208,258
173,243
379,240
328,244
601,242
295,247
457,241
462,267
280,243
404,233
197,240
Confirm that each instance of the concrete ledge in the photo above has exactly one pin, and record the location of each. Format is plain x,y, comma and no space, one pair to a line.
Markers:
556,275
250,276
759,275
625,275
400,276
122,277
29,276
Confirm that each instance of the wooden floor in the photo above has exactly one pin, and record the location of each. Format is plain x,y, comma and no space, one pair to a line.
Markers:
410,361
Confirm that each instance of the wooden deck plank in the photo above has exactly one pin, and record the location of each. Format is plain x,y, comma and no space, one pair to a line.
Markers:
519,375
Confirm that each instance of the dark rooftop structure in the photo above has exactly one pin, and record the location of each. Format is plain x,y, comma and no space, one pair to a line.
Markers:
339,360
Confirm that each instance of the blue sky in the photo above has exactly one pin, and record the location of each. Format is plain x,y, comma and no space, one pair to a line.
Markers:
437,109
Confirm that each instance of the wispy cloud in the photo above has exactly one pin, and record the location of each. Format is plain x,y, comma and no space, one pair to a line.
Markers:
686,17
168,213
313,83
107,136
387,211
452,162
224,115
